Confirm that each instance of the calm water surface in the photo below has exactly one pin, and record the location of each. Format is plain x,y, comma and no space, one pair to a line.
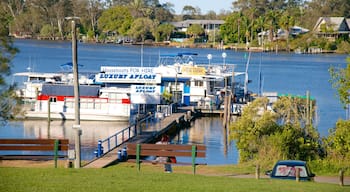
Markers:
282,73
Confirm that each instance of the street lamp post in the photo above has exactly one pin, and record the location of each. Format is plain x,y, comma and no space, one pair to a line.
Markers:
224,55
209,56
76,126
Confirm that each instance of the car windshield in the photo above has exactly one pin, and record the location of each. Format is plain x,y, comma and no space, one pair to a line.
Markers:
289,171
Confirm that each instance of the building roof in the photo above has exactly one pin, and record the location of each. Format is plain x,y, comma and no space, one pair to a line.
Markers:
189,22
335,24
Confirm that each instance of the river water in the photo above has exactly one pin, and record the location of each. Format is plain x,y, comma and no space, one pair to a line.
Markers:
283,73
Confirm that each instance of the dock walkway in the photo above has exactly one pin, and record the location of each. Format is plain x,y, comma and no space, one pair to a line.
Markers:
145,135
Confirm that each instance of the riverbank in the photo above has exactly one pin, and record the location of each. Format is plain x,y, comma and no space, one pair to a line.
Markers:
281,48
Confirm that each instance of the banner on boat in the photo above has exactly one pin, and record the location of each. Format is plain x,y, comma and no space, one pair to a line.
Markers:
145,94
128,75
192,70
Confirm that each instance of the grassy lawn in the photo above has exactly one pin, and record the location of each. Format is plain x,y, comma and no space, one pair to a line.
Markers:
125,177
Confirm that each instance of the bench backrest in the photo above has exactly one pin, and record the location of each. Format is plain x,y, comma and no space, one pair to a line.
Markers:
53,145
34,144
167,150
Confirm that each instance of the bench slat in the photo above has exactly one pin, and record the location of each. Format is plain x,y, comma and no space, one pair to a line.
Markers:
167,146
166,150
33,141
162,163
166,153
29,157
33,147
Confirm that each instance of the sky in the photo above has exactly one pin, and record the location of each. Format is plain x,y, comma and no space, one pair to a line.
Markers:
204,5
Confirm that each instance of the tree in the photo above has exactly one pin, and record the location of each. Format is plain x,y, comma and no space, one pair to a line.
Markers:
195,30
190,12
163,12
164,31
139,9
142,27
261,135
8,99
94,11
251,127
286,22
116,19
340,79
338,142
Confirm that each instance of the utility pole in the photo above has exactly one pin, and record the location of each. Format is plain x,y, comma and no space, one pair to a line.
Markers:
76,126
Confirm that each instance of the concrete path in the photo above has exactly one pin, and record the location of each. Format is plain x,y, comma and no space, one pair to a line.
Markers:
318,179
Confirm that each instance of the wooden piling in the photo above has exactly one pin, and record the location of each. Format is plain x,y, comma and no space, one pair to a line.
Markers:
297,174
257,171
341,177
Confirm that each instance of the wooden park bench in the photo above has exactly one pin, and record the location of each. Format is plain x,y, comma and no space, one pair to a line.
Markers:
136,152
50,149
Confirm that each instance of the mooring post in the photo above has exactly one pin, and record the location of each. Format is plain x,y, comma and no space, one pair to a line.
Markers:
341,177
297,174
257,171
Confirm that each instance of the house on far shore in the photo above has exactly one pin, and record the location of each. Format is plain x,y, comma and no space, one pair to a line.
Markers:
209,26
332,27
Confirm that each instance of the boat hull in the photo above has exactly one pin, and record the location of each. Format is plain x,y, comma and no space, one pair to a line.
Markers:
71,116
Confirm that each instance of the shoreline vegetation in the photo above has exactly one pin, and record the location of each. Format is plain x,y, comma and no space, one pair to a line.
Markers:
213,45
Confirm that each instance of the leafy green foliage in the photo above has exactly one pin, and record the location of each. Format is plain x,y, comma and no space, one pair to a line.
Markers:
340,79
195,30
167,97
7,52
141,27
338,142
266,136
164,31
117,19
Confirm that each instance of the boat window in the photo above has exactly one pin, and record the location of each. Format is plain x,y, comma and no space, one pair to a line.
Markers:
198,83
53,99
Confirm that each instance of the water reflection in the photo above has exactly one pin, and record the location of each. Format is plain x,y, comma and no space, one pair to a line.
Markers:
207,131
210,132
91,132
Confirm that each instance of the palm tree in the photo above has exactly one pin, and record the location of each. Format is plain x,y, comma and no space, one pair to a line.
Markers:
260,24
286,22
272,21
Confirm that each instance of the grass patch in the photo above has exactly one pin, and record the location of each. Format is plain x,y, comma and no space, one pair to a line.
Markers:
125,177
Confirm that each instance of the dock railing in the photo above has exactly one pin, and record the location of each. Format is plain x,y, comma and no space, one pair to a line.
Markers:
108,144
147,123
119,138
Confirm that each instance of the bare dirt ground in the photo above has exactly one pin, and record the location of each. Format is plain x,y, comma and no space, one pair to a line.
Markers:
64,163
29,163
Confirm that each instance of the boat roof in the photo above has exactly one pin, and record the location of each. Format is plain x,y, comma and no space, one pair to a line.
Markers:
35,74
179,54
68,90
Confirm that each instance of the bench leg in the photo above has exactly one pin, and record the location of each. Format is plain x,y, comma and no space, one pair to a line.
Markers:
56,152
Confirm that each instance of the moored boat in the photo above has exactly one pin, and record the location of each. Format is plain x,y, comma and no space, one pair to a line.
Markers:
118,93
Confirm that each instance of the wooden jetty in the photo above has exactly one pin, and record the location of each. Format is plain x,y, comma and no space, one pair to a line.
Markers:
145,135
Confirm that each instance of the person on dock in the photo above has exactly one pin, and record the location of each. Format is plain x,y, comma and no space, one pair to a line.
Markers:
167,167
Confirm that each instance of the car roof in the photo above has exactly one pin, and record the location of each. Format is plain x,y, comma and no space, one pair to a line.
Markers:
291,162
